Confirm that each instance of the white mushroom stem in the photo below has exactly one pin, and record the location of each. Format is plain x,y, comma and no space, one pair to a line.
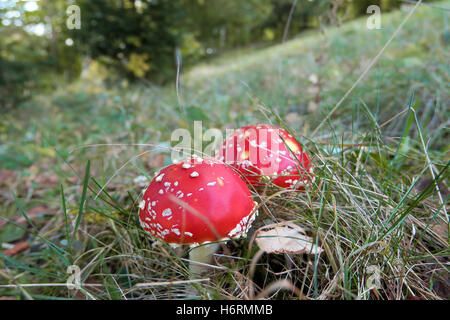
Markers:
201,256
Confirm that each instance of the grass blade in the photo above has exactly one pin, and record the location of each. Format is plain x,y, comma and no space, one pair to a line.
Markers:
83,199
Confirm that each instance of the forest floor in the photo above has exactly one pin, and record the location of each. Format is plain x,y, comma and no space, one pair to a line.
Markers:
378,208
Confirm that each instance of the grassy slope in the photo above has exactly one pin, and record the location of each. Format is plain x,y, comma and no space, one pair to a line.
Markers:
370,207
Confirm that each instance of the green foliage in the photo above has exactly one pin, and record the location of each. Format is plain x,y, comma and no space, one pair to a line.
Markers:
139,40
23,65
29,63
143,39
364,210
225,24
304,15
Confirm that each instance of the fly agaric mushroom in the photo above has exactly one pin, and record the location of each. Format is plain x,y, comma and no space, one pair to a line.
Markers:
263,153
195,202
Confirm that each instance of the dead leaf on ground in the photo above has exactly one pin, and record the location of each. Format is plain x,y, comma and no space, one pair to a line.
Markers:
21,246
49,180
413,297
441,229
7,175
73,179
424,183
157,161
36,210
284,239
33,213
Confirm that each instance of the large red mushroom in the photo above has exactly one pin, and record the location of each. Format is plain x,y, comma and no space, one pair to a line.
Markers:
197,201
266,154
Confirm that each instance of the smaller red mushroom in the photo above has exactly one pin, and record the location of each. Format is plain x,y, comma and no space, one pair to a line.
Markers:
265,153
197,201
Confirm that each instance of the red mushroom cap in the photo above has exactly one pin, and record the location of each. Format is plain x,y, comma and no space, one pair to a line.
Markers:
263,152
197,200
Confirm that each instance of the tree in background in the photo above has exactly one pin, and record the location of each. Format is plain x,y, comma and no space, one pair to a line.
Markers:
360,7
301,15
30,51
225,24
135,37
139,38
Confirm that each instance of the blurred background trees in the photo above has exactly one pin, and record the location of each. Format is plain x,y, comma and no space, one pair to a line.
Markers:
138,39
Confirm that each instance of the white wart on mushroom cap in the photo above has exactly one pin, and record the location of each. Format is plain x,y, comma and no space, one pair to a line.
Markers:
195,201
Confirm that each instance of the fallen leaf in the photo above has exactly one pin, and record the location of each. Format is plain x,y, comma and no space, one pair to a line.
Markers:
6,175
441,229
413,297
33,213
157,161
21,246
424,183
291,240
47,181
73,179
36,210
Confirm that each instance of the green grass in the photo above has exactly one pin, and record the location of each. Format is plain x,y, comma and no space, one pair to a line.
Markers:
379,158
